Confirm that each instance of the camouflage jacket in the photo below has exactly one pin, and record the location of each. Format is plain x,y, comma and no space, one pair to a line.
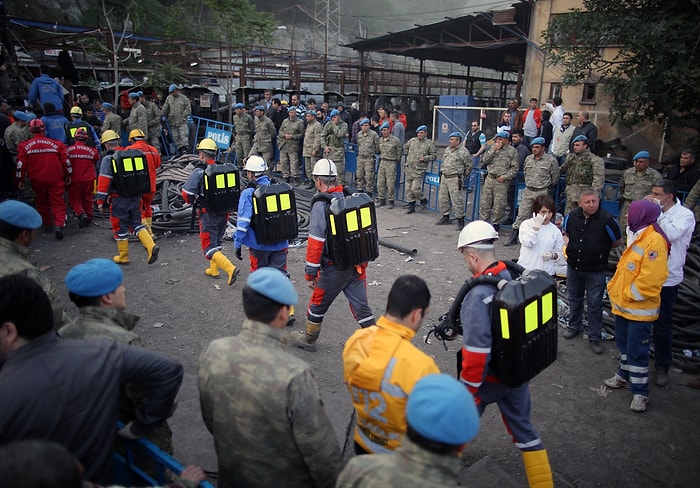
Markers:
294,128
265,412
243,125
584,169
138,118
408,467
367,144
153,116
14,260
541,173
414,149
312,140
456,162
635,187
503,162
177,109
112,122
390,148
15,134
264,132
333,136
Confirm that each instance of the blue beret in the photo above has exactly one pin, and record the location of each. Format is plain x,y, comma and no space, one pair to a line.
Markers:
385,125
260,107
139,93
441,409
538,140
422,127
292,109
19,214
641,154
239,105
335,112
456,134
94,278
24,116
273,284
107,105
134,95
580,138
504,134
172,88
364,121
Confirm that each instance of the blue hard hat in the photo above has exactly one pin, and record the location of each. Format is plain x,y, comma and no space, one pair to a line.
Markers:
441,409
538,140
641,154
422,127
19,214
172,88
580,138
94,278
335,112
456,134
273,284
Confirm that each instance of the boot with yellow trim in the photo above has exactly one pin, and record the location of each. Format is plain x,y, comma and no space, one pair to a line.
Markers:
150,246
292,318
223,262
212,270
123,256
146,221
539,473
307,339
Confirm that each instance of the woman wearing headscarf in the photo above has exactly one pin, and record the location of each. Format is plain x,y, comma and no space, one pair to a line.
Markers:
635,294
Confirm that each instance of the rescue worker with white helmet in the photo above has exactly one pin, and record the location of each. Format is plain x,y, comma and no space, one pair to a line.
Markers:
211,227
322,276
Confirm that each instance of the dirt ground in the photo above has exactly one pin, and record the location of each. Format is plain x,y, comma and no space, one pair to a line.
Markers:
593,438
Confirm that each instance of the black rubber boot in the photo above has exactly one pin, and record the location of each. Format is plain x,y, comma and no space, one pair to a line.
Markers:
445,220
411,207
513,239
460,223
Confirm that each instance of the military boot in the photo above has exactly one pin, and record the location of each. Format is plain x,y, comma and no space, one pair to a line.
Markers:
423,204
291,319
224,263
513,238
390,205
212,270
411,208
123,256
460,223
445,220
150,246
307,339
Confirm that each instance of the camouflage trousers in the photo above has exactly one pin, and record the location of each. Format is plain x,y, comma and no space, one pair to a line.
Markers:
623,215
181,135
451,196
338,157
242,148
494,198
572,194
364,176
289,164
154,136
414,187
386,180
525,208
309,162
267,153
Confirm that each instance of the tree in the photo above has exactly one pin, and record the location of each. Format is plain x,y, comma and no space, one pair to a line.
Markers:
645,52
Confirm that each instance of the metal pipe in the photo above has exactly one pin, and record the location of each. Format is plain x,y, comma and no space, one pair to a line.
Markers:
398,247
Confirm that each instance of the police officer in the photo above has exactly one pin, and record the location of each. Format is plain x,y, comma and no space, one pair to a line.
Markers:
502,164
137,138
367,149
322,276
177,109
476,244
333,136
211,227
125,212
290,133
582,169
83,159
390,153
243,127
636,183
456,165
312,145
541,174
420,152
18,224
265,132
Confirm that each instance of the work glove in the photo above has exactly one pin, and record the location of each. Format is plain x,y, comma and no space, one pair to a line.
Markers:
538,219
239,255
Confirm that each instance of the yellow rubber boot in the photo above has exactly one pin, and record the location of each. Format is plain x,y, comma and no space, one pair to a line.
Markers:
223,262
150,246
212,270
123,256
307,339
539,473
292,318
147,222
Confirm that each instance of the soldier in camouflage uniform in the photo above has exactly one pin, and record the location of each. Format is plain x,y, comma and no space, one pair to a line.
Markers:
312,148
541,174
333,137
582,169
18,132
442,418
265,132
153,122
18,222
367,149
390,152
635,184
262,404
290,133
138,117
243,127
112,121
455,169
502,164
96,289
177,109
420,152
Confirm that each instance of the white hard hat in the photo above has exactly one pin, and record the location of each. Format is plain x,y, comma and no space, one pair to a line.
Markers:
325,167
255,164
476,232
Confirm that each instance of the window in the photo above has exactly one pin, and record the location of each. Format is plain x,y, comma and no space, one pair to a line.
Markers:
588,95
554,90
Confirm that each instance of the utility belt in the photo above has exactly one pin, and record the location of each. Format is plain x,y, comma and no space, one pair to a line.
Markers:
443,175
537,189
382,160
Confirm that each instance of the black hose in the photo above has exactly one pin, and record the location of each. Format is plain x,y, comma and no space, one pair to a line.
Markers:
398,247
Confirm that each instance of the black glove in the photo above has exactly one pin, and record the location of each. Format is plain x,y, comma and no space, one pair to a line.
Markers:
238,254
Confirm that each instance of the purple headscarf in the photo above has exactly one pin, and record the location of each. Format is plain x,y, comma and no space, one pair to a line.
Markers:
643,213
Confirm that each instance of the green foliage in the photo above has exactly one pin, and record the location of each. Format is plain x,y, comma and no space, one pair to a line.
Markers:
653,76
164,74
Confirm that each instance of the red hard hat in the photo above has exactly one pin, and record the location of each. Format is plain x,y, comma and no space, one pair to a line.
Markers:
81,134
36,125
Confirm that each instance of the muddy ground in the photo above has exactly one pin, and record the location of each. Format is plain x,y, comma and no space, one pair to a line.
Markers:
593,438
